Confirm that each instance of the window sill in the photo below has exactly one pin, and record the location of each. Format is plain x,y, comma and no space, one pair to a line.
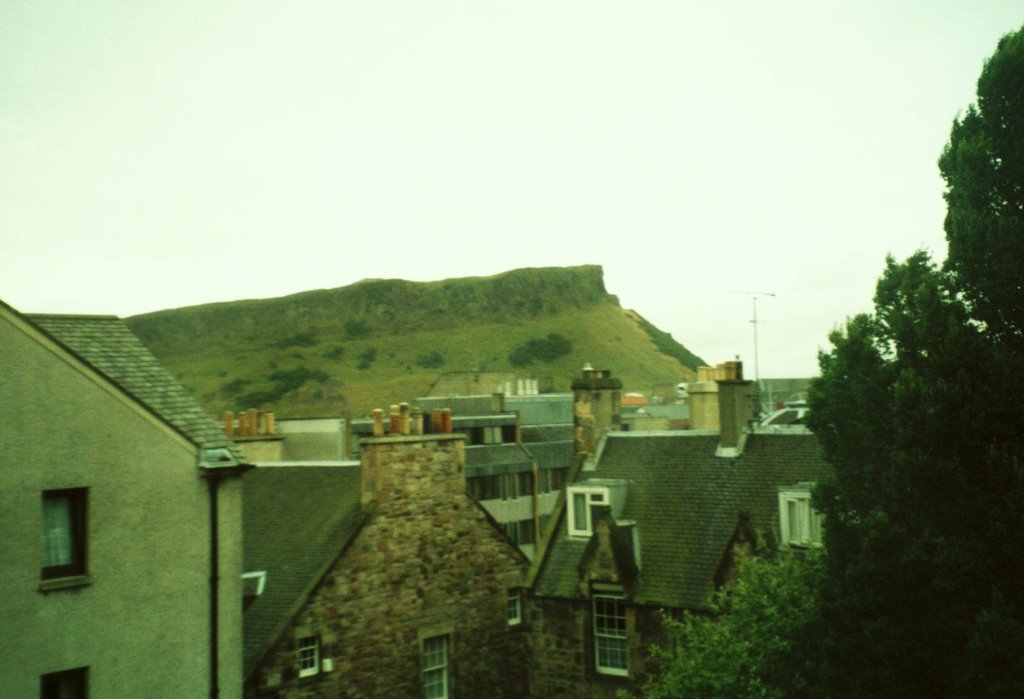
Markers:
68,583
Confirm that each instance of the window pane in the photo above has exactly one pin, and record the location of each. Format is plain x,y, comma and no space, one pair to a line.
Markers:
610,634
435,652
611,653
609,617
435,667
580,519
58,549
514,607
793,517
309,656
62,533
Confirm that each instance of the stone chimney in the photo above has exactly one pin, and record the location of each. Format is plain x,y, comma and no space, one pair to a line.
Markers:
721,400
411,473
596,407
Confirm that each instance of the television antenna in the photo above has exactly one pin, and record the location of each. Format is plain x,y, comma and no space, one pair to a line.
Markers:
754,296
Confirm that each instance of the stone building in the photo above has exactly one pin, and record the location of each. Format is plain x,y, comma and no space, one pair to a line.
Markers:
518,452
653,524
120,560
597,407
382,581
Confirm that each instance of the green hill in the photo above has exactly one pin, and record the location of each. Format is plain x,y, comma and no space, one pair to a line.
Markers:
345,351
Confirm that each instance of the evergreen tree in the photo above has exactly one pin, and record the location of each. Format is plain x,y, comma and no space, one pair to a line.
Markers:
919,409
983,166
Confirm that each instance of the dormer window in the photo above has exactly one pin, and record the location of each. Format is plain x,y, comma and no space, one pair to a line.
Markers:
580,498
800,523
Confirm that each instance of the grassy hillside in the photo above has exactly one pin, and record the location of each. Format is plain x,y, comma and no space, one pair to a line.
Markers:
345,351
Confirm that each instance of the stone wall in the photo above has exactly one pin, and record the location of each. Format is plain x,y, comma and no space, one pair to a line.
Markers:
562,651
428,562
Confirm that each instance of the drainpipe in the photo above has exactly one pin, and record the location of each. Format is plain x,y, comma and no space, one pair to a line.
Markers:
209,462
213,481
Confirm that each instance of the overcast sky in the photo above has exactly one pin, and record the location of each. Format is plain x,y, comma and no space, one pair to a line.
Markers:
158,155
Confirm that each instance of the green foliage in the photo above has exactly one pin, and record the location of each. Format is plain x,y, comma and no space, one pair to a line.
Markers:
918,409
909,411
234,387
983,166
290,379
297,340
667,345
488,315
356,328
367,358
431,360
540,349
751,644
285,381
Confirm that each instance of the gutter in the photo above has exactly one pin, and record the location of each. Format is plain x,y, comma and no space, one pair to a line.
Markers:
216,465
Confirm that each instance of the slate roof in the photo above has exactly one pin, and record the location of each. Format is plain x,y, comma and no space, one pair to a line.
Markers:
107,345
296,522
687,504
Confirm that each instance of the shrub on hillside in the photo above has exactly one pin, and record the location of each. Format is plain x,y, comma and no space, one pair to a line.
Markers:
285,381
356,328
367,358
232,388
297,340
431,360
540,349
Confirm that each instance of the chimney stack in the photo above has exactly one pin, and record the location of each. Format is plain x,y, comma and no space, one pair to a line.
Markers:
406,472
722,400
596,407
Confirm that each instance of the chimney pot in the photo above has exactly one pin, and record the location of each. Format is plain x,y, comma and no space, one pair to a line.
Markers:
378,422
229,424
403,418
395,420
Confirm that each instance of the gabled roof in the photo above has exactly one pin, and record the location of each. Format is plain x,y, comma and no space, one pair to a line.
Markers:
107,345
296,522
686,503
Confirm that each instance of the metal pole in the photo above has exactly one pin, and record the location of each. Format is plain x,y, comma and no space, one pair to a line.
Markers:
757,366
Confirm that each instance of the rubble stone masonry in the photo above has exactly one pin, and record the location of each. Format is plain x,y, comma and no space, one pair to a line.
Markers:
427,562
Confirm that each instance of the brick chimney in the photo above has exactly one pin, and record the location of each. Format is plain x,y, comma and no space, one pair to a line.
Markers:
411,473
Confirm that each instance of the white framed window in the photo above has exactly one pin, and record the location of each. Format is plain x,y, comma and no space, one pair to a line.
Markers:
800,523
309,656
610,635
579,499
515,607
435,667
